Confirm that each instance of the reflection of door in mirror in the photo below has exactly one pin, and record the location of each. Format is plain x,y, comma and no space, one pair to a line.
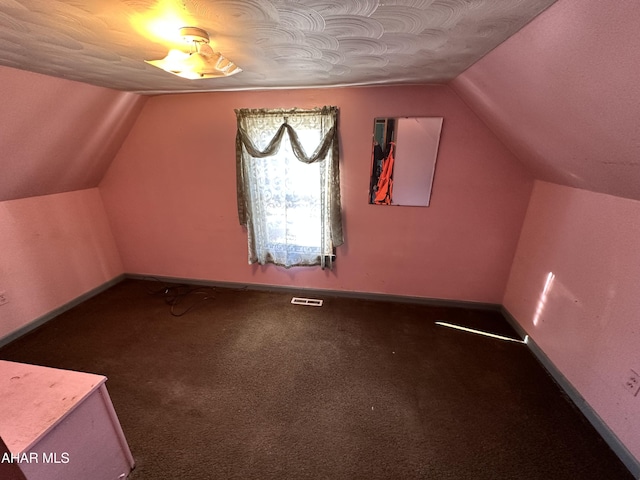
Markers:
403,160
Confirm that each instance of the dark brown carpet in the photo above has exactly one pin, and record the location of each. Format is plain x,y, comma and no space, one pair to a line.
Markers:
248,386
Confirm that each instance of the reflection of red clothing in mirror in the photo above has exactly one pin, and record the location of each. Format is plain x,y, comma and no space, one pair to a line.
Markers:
385,182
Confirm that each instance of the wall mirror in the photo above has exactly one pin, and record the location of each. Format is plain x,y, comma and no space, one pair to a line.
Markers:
403,160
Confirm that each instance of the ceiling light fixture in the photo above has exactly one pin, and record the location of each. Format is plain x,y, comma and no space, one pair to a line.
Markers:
200,62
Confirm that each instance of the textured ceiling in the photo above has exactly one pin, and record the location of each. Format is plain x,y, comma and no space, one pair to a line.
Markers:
278,43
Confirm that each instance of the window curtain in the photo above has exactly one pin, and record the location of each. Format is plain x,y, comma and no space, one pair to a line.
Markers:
289,200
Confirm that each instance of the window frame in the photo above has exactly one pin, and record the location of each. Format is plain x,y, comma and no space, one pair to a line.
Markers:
326,153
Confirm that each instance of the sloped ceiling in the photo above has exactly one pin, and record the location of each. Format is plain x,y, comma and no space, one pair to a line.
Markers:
56,135
61,129
277,43
563,94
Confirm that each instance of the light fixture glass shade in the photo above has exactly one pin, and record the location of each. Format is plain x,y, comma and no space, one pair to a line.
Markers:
202,62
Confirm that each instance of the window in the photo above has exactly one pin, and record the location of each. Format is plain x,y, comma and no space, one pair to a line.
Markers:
289,185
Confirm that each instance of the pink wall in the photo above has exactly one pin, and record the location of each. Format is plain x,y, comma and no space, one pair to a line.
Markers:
563,92
170,196
574,288
57,135
54,249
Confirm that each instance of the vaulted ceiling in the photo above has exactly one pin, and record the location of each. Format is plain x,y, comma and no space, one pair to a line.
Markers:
555,81
277,43
563,95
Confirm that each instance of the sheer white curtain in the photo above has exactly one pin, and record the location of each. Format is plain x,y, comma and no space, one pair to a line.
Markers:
289,185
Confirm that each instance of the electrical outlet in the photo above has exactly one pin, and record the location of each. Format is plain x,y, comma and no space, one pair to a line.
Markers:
3,298
632,382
